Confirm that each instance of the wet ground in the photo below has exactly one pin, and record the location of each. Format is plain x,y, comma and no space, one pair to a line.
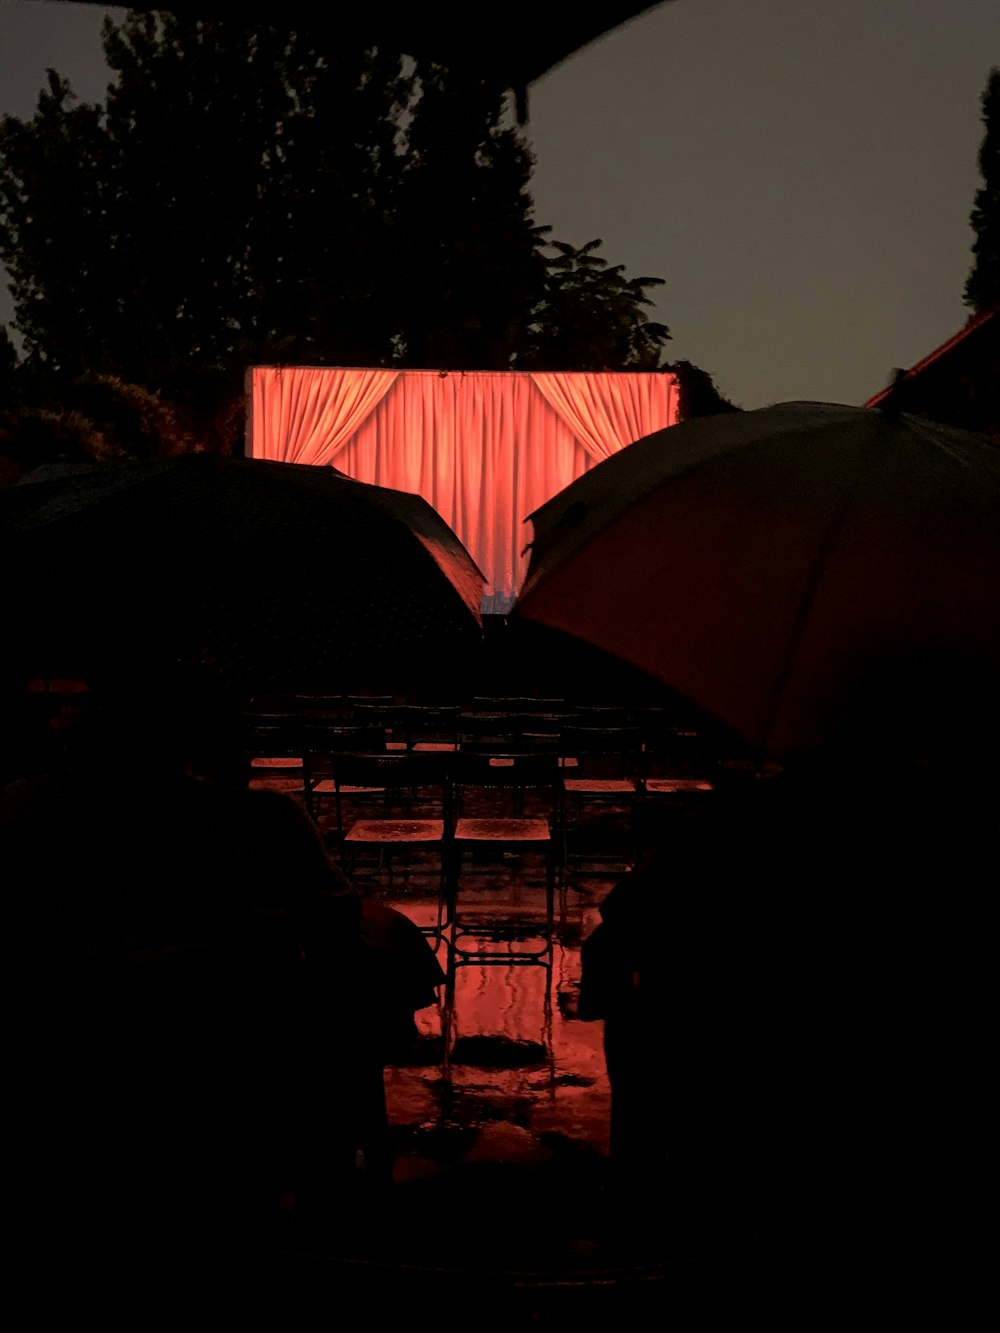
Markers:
499,1120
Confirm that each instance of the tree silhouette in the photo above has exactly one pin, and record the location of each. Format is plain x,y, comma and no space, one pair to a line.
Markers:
592,316
696,393
247,194
982,287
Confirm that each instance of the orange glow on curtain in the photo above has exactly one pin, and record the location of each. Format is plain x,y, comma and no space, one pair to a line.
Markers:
485,448
605,412
312,413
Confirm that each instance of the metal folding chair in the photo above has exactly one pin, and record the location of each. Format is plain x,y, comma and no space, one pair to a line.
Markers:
517,823
274,749
319,764
420,784
601,772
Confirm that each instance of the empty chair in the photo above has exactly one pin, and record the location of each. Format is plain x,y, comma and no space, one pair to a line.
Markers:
370,711
602,715
505,782
369,700
517,798
273,762
602,767
539,731
332,706
677,777
489,703
526,703
319,764
420,784
425,726
274,746
485,731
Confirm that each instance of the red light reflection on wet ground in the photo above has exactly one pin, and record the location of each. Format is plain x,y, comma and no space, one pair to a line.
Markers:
515,1043
499,1120
501,1136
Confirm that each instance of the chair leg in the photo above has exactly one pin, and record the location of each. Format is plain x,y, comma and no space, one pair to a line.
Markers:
550,887
448,1019
438,932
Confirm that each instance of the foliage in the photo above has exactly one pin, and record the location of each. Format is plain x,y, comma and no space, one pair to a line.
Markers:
100,419
249,195
591,316
10,384
145,426
31,436
697,394
982,287
469,271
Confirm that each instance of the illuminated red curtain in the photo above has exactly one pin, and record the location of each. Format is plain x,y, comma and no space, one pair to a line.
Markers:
485,448
607,411
307,414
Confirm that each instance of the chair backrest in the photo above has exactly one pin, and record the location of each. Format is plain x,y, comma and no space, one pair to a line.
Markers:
324,745
658,717
612,752
603,715
515,772
284,734
530,703
370,712
333,705
541,731
390,770
485,731
319,762
413,723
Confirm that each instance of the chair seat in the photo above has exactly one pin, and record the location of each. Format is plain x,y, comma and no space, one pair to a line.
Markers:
396,830
506,831
327,787
601,786
293,785
665,786
479,928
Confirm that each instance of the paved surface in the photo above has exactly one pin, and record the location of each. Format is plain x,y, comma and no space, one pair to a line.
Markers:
499,1120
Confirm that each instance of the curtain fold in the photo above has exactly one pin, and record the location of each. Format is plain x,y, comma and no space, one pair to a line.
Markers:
606,411
307,415
485,448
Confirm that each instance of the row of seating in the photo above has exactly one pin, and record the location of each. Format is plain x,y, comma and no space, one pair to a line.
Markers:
345,705
460,805
434,802
509,715
595,760
566,733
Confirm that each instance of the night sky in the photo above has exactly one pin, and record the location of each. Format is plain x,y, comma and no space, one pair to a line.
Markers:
801,172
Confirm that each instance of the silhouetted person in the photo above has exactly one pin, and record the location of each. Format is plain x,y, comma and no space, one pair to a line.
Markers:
203,1004
802,979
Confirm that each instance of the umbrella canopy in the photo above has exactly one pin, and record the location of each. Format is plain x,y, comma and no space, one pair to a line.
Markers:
256,573
769,564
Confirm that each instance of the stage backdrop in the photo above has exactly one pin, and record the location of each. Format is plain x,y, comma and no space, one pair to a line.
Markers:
485,448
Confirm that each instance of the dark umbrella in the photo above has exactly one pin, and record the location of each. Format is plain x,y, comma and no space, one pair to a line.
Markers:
254,573
771,564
